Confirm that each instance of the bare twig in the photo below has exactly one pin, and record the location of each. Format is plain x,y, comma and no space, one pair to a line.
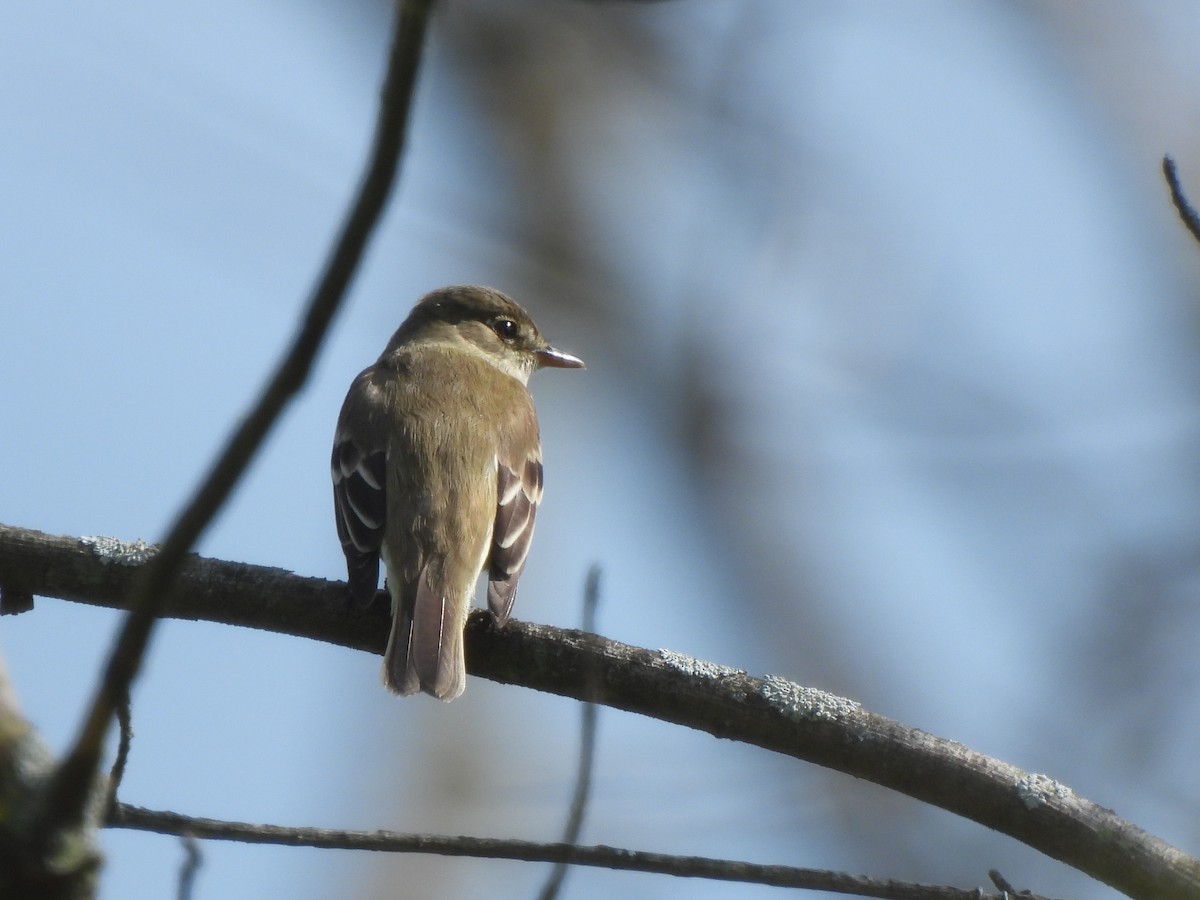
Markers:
165,822
192,860
117,772
587,747
1001,882
68,791
1187,213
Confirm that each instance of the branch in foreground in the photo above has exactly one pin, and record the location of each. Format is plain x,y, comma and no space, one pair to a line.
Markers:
587,751
769,712
68,791
529,851
1187,213
68,871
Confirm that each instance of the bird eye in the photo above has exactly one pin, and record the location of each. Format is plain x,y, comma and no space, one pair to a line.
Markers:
506,329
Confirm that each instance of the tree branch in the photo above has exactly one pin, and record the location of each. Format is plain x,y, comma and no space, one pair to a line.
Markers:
192,859
587,751
1187,214
67,793
768,712
566,854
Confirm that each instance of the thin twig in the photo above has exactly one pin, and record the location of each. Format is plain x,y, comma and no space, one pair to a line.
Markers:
1001,882
67,793
1186,211
117,773
192,860
587,746
165,822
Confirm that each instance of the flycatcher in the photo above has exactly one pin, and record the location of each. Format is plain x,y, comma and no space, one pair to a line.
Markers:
437,469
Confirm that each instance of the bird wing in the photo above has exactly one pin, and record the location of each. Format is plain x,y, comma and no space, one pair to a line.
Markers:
360,504
519,491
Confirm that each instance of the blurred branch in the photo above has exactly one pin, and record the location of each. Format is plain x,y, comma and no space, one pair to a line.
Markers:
192,859
587,747
1186,212
69,788
124,741
768,712
66,870
490,848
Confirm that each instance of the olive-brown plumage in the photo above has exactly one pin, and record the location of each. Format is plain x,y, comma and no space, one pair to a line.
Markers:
437,470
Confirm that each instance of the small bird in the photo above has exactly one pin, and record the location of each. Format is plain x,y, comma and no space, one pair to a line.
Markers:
437,469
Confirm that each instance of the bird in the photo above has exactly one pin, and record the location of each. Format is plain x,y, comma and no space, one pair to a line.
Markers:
437,471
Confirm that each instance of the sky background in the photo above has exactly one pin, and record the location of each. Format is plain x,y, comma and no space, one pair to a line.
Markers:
892,345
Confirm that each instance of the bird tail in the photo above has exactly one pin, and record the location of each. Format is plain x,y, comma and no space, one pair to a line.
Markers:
425,649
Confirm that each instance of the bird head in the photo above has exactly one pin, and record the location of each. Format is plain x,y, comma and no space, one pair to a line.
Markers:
486,323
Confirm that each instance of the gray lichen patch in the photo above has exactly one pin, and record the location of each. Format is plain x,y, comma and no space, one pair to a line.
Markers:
800,702
1037,790
120,553
698,668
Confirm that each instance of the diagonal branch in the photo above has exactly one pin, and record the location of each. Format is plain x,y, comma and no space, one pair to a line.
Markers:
768,712
69,789
1187,213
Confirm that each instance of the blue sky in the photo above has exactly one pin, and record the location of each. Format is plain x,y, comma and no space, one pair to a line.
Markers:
891,338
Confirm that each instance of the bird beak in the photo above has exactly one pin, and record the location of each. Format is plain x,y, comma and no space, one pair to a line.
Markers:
556,359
